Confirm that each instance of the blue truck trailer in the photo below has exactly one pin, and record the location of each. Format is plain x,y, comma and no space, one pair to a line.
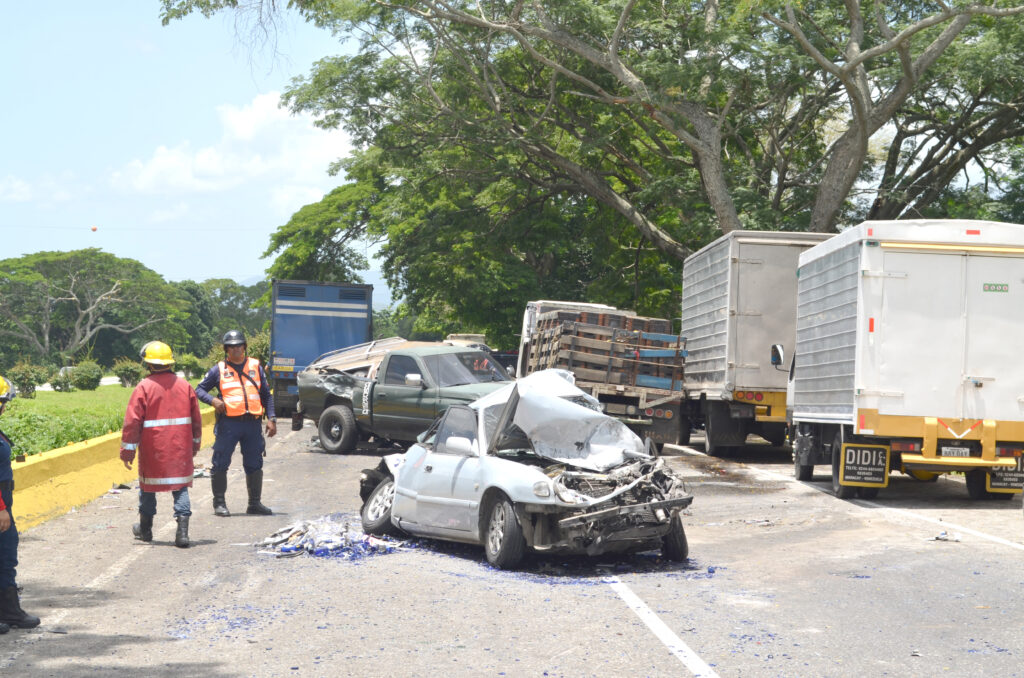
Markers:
309,319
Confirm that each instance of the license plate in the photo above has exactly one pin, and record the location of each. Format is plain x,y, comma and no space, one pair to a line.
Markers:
950,451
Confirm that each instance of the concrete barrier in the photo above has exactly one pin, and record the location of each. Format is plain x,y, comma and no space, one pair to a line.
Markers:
50,484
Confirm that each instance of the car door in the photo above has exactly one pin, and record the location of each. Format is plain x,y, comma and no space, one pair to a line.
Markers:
444,480
402,410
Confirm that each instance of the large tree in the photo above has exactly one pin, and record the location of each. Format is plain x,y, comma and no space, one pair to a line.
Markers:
58,304
505,140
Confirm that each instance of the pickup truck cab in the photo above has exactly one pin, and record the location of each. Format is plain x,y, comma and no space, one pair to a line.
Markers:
392,390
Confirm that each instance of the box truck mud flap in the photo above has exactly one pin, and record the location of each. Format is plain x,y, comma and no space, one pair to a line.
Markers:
865,465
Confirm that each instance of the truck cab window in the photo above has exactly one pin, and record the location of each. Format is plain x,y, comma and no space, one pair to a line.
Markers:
398,367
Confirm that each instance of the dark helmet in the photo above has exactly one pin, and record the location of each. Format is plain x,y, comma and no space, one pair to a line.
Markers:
233,338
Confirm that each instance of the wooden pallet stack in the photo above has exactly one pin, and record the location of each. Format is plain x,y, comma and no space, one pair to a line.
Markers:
610,348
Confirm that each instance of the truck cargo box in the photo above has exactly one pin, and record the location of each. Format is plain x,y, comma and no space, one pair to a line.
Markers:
909,348
739,297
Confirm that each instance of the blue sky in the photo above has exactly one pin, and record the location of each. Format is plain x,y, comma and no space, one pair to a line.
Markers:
168,139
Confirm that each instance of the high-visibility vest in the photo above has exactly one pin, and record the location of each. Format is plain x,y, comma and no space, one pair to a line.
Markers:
241,393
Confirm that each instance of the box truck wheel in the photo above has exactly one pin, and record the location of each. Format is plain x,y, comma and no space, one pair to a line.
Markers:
976,484
337,429
802,471
841,491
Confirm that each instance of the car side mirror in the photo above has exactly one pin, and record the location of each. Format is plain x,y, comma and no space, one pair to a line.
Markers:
459,445
778,356
414,380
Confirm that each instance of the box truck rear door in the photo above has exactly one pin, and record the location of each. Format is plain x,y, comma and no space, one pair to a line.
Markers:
917,336
994,365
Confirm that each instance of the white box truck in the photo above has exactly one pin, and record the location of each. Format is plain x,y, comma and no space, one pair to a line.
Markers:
909,355
739,298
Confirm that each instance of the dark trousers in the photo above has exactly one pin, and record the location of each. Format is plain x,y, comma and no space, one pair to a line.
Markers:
8,540
230,432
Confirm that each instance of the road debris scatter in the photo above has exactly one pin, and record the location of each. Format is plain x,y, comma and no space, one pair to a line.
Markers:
328,536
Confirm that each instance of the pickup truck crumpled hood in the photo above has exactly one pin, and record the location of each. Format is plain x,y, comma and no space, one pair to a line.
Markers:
546,406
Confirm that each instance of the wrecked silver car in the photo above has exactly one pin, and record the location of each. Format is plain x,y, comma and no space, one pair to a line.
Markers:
534,465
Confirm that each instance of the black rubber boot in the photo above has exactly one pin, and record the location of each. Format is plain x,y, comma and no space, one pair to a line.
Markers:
219,482
11,613
181,538
254,483
4,628
144,528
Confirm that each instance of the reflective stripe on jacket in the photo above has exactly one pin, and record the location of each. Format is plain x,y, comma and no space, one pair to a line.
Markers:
163,422
241,393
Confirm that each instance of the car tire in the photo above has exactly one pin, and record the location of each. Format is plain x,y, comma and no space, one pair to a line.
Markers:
674,546
841,491
337,429
503,536
376,512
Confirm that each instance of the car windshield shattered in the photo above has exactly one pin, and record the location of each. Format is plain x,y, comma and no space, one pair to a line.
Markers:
545,413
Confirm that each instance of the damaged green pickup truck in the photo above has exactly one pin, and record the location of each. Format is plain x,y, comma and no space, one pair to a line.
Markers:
391,389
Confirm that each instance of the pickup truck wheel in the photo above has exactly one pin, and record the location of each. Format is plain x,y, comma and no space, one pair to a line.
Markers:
376,512
337,429
841,491
503,539
674,546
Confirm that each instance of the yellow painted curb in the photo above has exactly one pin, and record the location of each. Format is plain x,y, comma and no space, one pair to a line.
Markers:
50,484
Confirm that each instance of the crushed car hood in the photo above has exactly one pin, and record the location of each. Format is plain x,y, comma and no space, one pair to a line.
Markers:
563,423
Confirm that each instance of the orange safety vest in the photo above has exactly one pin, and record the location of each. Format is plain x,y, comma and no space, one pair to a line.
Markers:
241,393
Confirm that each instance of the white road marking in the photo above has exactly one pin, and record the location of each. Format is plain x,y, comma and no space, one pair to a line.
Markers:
674,643
898,516
51,621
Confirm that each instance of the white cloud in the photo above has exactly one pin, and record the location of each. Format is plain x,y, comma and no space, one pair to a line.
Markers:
13,189
284,159
170,213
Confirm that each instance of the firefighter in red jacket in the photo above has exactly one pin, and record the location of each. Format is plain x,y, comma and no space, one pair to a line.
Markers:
163,425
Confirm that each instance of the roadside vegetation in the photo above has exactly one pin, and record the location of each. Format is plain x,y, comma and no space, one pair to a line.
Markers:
55,419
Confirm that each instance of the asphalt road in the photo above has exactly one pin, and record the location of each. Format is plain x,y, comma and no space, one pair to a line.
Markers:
783,580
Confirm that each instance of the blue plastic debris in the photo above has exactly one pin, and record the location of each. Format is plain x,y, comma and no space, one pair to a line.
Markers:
331,536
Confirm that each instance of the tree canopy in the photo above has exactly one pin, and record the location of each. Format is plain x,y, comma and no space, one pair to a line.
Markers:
58,304
514,149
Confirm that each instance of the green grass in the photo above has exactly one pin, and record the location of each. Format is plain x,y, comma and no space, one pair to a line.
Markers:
53,419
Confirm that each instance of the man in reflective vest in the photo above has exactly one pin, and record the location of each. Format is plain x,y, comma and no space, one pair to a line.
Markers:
163,425
244,401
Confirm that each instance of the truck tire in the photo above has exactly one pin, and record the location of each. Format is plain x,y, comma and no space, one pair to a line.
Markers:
674,546
841,491
685,427
337,429
775,433
976,484
802,471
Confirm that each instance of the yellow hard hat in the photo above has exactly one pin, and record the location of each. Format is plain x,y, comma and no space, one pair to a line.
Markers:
157,353
6,390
